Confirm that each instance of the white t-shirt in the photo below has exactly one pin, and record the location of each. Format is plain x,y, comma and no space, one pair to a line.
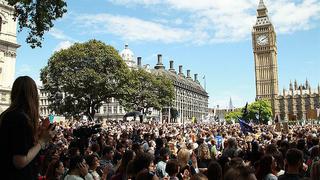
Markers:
270,177
74,177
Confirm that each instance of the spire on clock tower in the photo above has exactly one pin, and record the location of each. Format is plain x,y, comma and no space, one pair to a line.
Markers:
261,5
262,14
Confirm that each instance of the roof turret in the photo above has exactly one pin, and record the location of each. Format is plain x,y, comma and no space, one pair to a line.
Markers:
128,56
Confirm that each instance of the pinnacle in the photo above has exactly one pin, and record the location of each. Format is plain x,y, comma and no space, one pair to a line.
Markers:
261,5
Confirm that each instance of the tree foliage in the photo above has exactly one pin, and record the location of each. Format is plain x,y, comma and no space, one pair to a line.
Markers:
233,115
146,90
37,17
81,77
259,111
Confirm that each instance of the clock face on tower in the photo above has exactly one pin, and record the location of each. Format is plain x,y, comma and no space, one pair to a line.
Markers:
262,40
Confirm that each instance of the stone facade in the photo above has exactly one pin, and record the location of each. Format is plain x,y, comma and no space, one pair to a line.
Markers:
191,100
299,102
44,102
8,49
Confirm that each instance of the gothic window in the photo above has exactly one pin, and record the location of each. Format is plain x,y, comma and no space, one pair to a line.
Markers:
0,24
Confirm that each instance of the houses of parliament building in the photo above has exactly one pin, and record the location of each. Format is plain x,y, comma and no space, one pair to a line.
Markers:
300,101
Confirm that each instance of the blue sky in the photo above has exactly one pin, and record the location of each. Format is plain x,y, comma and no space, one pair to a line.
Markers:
209,37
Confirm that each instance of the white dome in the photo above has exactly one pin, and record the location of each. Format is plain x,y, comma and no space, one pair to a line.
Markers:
127,54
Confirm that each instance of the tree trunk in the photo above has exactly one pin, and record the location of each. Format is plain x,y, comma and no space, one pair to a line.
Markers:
93,112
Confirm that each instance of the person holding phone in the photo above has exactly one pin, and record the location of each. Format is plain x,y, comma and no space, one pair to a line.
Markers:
21,138
79,169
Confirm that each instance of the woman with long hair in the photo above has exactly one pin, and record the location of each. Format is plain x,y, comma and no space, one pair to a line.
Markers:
266,169
121,172
204,157
21,138
55,170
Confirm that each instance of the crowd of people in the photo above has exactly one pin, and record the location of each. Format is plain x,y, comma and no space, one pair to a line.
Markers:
75,149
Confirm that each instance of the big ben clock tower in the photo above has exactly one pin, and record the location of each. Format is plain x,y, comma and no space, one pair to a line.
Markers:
265,55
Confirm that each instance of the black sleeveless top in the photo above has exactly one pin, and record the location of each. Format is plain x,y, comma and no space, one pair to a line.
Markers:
15,139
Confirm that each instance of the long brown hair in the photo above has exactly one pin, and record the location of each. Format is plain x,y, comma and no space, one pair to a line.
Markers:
24,96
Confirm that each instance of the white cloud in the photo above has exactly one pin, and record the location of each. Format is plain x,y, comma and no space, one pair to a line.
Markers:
59,34
289,17
135,2
132,29
219,20
65,41
63,45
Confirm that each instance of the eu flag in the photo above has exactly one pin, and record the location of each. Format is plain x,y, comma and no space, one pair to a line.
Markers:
245,127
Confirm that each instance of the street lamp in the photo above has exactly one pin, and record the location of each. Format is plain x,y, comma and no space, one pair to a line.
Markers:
108,101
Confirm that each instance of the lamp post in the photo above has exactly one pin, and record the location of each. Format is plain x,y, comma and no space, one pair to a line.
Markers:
108,101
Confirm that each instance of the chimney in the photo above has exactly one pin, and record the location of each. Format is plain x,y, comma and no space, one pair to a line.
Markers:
139,61
159,64
188,74
196,77
159,59
180,71
171,67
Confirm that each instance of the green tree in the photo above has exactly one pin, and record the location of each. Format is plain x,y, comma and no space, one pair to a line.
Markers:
165,91
233,115
144,91
260,111
81,77
37,17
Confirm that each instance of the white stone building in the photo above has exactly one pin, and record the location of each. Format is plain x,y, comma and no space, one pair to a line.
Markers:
191,100
8,49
